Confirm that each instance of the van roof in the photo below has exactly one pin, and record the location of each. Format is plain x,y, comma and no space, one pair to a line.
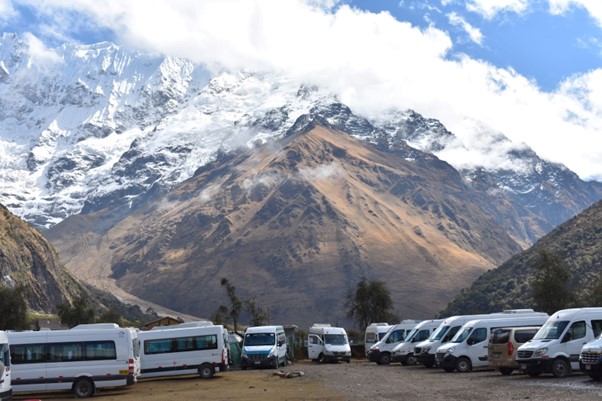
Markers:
263,329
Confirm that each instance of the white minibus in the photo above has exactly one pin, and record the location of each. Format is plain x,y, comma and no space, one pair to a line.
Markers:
5,386
374,333
264,346
555,348
469,347
425,351
404,351
183,351
81,360
327,343
380,352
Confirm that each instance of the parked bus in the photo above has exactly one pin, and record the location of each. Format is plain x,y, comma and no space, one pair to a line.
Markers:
184,350
80,360
555,348
5,386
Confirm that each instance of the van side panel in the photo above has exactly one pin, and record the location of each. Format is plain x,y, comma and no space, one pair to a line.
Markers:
182,351
55,360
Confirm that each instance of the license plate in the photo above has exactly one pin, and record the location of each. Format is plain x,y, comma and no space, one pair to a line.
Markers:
523,367
496,356
257,362
587,367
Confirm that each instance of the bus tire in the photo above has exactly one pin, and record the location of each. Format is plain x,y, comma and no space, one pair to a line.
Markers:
83,388
560,368
206,371
463,365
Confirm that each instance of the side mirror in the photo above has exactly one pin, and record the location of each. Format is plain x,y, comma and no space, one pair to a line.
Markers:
470,341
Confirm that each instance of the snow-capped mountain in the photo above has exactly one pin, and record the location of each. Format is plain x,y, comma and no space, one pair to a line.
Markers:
84,127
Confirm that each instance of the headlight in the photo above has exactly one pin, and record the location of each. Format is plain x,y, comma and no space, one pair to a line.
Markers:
272,352
243,354
450,351
374,349
540,352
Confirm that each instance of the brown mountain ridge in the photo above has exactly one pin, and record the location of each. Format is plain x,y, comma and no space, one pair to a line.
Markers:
296,224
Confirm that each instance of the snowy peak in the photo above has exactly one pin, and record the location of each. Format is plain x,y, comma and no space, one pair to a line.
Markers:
84,127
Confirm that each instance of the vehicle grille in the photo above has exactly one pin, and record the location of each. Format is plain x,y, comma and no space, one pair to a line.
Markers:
417,350
590,357
257,357
339,353
439,356
524,354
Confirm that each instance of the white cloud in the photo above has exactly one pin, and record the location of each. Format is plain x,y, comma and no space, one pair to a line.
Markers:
7,12
372,62
474,33
40,54
593,7
489,8
321,172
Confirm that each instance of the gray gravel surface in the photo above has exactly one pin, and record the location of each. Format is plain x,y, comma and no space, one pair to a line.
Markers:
361,380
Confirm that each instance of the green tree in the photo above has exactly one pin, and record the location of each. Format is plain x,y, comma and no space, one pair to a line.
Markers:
594,296
550,284
13,307
80,312
259,316
111,316
235,303
369,302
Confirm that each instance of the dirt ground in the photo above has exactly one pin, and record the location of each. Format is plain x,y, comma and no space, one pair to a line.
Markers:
359,380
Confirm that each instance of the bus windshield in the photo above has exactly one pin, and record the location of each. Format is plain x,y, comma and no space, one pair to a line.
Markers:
260,339
551,330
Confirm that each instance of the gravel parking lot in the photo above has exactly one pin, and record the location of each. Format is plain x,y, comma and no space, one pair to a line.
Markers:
358,380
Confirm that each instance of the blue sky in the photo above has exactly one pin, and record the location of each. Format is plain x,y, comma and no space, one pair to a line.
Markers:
529,69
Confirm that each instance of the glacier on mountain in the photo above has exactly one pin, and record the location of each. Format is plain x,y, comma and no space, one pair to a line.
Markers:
99,124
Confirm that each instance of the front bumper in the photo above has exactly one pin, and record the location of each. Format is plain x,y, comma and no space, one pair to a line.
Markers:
374,356
7,395
535,365
448,362
426,359
336,357
258,361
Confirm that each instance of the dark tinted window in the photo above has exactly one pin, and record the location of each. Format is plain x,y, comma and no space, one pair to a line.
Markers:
181,344
478,335
597,327
27,353
522,336
500,336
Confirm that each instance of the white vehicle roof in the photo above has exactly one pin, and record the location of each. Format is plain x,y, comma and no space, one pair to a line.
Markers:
264,329
573,313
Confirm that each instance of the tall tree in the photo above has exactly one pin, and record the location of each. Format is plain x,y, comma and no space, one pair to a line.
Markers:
13,309
235,303
259,316
369,302
80,312
550,284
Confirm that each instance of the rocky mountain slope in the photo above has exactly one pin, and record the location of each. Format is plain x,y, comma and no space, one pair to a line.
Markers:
83,127
27,259
296,224
577,242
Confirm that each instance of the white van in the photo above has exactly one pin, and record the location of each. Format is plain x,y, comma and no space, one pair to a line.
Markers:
469,347
425,351
404,351
175,350
374,333
264,346
81,360
590,359
327,343
556,346
5,387
381,351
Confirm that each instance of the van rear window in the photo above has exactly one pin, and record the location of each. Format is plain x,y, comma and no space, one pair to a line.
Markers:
522,336
500,336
